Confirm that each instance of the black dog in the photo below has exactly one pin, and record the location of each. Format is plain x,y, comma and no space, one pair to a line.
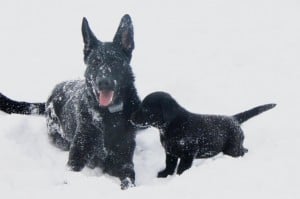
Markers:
91,117
187,136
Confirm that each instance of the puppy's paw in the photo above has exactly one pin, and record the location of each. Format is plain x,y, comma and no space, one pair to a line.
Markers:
75,165
180,171
127,183
163,174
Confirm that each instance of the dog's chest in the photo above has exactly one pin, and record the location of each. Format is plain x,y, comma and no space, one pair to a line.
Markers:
162,137
107,123
96,117
112,126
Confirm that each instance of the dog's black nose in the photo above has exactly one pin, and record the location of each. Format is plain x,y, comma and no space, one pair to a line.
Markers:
105,83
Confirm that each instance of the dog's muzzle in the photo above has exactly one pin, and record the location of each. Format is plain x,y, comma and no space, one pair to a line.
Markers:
105,91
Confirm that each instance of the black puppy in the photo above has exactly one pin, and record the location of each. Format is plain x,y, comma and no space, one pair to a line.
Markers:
187,135
90,117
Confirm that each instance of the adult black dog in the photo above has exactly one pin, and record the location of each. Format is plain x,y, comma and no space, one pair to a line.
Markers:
187,136
91,117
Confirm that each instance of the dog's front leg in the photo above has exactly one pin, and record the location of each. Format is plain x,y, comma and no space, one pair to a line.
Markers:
124,170
119,163
171,163
127,176
80,150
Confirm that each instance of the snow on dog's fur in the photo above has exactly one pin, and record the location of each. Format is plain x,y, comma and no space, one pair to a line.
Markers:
90,117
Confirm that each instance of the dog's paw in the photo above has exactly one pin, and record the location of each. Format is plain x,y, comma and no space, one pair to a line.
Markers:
180,171
75,166
163,174
127,183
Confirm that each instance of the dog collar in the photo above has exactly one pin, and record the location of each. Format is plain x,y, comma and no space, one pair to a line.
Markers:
116,108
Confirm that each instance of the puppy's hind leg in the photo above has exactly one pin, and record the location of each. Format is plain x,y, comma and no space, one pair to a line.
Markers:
234,146
171,163
185,163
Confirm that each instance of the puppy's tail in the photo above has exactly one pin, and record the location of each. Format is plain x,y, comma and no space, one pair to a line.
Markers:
244,116
10,106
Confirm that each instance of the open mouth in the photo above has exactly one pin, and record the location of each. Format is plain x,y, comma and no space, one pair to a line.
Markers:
106,97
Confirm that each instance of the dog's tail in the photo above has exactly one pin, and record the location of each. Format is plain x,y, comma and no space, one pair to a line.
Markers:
244,116
10,106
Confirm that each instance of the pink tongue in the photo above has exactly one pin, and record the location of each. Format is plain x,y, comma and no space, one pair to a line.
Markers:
105,97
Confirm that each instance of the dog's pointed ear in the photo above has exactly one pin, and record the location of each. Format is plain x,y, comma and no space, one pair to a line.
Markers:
89,39
124,35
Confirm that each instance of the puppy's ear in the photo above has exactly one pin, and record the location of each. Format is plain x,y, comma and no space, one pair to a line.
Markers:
169,110
89,39
124,35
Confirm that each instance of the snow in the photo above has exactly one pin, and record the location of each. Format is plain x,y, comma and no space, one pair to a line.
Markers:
216,57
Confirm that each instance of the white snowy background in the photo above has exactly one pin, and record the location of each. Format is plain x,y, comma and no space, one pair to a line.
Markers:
218,57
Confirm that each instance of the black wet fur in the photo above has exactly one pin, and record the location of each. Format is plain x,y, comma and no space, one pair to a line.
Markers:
10,106
186,135
96,136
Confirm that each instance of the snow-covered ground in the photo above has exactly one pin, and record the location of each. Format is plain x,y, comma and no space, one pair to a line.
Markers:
215,56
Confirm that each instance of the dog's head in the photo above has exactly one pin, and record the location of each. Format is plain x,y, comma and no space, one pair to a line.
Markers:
157,109
108,71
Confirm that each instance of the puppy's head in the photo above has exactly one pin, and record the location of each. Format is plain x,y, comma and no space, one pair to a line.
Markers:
157,109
